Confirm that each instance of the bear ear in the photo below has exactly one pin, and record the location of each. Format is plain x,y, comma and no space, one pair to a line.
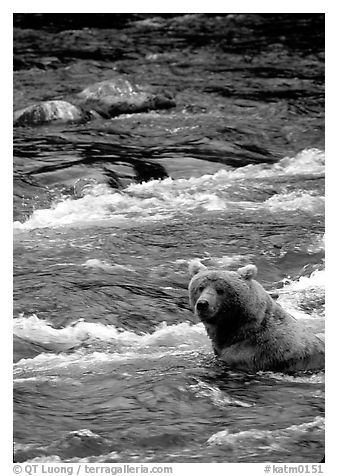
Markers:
248,272
195,266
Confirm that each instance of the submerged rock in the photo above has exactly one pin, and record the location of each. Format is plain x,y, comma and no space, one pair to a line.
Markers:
48,111
118,96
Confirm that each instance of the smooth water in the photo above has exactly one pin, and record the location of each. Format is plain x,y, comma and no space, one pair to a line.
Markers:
109,362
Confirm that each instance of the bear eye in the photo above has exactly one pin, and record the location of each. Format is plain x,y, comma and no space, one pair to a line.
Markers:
201,288
220,291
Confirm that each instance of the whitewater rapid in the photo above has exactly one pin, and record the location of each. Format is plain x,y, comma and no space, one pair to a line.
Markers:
247,188
92,345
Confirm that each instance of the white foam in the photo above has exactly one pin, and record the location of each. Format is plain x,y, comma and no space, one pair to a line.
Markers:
317,378
317,245
101,264
217,396
225,261
119,346
41,332
296,201
314,281
46,459
104,458
304,297
119,209
224,437
162,199
65,364
308,161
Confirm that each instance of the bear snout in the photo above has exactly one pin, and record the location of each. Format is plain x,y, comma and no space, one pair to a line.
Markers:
202,305
206,305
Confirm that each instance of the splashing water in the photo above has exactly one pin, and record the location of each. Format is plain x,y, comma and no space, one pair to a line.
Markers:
162,199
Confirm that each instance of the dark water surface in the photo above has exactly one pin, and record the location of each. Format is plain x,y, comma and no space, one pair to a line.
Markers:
109,361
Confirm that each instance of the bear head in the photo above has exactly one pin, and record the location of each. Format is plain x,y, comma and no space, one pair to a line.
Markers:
231,302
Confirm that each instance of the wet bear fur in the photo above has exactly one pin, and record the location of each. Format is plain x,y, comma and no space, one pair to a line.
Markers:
248,329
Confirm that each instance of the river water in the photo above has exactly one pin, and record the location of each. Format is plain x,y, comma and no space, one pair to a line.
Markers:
110,365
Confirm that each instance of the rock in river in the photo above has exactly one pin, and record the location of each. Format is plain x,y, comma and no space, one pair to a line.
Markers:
48,111
118,96
105,99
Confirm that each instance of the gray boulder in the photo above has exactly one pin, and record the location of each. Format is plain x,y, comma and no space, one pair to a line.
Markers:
48,111
118,96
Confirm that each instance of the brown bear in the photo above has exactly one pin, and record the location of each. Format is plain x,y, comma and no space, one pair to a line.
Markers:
248,329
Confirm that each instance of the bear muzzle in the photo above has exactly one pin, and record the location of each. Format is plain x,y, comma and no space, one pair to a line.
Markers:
202,305
204,310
